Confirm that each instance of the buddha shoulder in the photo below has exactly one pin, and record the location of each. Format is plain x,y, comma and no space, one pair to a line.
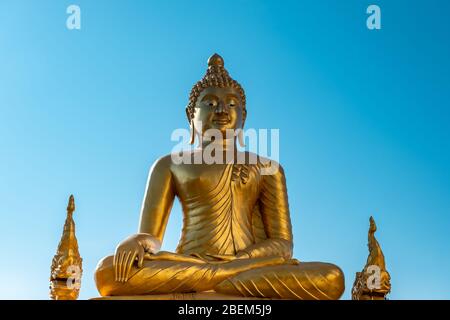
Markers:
177,165
160,170
265,165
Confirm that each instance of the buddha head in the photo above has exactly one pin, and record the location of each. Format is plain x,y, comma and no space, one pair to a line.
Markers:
216,102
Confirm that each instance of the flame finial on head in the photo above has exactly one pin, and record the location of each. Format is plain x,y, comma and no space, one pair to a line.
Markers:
216,61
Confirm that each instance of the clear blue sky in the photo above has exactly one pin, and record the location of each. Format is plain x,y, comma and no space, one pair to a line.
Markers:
363,118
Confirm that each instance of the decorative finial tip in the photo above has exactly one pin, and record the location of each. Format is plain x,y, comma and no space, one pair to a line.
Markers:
71,205
215,60
373,226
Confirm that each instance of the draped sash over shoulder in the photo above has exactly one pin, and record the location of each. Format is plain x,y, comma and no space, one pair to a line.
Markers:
219,221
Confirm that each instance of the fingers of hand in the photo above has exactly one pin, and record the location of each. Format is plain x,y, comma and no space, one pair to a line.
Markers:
141,255
117,259
120,266
127,256
129,264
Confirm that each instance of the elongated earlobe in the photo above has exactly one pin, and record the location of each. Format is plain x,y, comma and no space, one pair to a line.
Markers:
192,132
241,138
241,130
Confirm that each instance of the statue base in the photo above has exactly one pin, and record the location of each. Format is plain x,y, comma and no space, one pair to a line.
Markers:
180,296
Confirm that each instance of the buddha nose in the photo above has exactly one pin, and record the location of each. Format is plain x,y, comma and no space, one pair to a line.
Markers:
221,108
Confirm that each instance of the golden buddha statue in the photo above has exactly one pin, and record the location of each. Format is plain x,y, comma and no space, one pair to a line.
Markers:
236,239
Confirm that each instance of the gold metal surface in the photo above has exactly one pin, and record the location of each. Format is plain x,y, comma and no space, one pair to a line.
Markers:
373,282
236,238
66,266
181,296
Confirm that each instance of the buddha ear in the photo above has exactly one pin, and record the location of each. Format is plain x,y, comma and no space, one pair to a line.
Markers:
241,130
192,132
241,138
191,127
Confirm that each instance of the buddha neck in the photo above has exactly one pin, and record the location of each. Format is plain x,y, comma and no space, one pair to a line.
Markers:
226,146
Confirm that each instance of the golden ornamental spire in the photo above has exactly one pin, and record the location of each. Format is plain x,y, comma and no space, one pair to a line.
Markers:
66,267
373,282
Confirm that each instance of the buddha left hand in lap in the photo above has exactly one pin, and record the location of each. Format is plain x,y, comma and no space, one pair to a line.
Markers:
236,236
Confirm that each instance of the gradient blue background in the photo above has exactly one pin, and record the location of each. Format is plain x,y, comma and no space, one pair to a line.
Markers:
363,118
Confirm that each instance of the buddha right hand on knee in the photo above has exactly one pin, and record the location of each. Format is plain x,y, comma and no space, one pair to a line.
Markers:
131,249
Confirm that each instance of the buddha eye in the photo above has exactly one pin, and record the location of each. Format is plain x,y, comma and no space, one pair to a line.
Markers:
210,100
232,104
210,103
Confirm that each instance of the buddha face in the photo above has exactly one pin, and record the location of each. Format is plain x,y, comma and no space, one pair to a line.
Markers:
218,108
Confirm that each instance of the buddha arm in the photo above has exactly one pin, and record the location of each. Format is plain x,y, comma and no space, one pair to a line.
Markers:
274,208
158,199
